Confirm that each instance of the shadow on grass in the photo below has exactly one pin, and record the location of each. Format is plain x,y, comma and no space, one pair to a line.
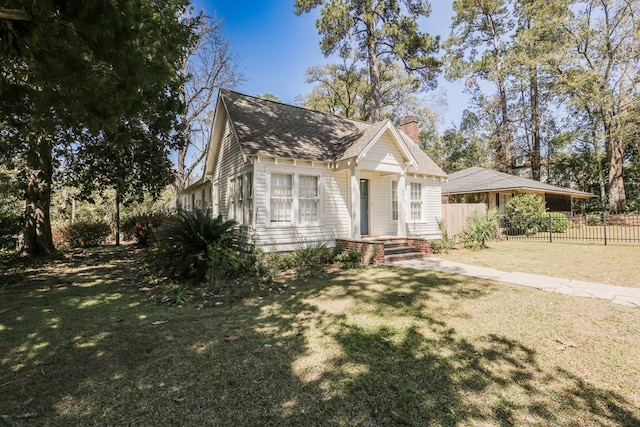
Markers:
81,345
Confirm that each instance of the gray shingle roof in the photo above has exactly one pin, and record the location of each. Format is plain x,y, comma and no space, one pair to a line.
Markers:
271,128
481,180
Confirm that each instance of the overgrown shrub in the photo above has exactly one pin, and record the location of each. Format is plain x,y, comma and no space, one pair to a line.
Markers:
480,229
350,259
559,222
525,214
10,227
11,220
142,228
192,244
594,218
309,257
83,234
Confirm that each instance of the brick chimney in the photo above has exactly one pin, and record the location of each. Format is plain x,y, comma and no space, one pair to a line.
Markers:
409,125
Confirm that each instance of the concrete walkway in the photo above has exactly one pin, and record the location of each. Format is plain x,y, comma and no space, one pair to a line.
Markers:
617,294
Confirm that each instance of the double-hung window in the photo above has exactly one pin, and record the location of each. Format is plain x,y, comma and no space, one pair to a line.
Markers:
394,200
281,197
248,205
308,199
416,201
294,199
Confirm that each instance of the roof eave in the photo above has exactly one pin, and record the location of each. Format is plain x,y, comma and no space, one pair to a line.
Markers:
537,190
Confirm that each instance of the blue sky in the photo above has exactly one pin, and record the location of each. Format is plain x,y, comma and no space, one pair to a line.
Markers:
275,47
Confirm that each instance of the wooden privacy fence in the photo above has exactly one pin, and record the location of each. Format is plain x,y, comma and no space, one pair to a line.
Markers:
454,215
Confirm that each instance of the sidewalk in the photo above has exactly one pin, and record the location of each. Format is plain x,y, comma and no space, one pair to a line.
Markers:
616,294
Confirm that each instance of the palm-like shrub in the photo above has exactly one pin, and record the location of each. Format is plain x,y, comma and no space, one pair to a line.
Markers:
480,229
193,242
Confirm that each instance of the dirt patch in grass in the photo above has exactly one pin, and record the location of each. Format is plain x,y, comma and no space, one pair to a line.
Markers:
81,345
615,265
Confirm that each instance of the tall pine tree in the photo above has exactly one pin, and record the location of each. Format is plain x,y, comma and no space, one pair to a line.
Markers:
380,29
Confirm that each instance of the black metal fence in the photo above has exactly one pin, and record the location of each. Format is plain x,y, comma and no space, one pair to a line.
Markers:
555,226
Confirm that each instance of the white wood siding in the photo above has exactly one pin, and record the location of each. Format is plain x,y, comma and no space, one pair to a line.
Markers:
197,197
229,164
333,216
432,197
383,156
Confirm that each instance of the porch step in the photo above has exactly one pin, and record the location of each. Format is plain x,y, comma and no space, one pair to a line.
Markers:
397,251
402,257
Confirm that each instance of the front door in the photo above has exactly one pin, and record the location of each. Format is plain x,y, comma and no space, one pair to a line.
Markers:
364,207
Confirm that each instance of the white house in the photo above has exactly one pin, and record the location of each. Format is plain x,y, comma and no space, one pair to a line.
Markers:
293,176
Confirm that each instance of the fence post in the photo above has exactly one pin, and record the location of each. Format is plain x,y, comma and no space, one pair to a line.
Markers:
604,221
550,228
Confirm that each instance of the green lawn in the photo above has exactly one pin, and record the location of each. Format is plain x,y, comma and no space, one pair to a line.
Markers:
81,344
613,264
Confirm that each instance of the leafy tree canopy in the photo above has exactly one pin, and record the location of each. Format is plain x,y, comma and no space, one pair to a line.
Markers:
382,29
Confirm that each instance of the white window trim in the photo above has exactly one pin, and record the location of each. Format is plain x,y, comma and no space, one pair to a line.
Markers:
231,198
397,206
421,201
269,197
315,199
248,192
295,214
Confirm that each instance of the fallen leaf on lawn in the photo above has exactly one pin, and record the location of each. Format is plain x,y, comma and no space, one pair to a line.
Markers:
418,330
304,314
403,418
159,322
567,343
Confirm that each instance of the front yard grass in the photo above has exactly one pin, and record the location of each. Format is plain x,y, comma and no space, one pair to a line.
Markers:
80,344
612,264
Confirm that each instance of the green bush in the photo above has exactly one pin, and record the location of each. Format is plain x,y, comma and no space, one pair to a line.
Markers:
480,229
193,245
594,218
11,210
559,222
10,227
308,258
525,214
350,259
83,234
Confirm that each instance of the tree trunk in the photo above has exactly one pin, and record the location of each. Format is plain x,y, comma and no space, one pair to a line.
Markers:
615,158
535,123
617,194
504,154
37,238
179,183
374,76
117,217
